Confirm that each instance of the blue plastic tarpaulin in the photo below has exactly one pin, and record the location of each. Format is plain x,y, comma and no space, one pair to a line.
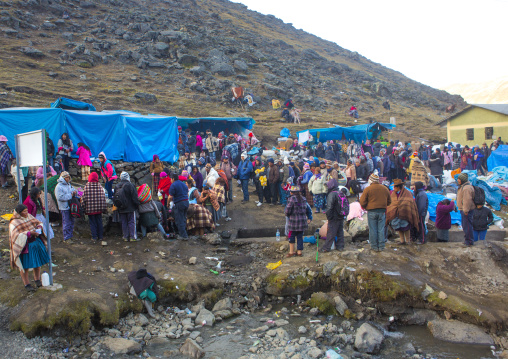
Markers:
285,132
493,195
434,199
372,130
335,133
498,157
18,120
69,104
238,125
149,135
99,131
500,174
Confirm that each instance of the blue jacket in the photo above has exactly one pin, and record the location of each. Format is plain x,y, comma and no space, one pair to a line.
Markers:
306,177
63,194
422,203
244,169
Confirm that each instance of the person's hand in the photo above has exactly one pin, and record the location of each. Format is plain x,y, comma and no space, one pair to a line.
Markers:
309,220
152,173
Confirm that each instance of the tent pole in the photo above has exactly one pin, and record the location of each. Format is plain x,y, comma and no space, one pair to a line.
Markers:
46,211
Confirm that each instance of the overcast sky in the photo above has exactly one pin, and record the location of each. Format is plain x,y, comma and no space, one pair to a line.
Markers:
436,42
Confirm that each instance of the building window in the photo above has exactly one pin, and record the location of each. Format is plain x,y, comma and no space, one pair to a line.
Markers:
470,134
489,133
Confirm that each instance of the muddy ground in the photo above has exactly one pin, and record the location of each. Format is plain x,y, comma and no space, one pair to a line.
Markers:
473,281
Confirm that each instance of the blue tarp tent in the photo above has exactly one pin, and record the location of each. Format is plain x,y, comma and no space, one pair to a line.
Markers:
498,157
120,134
371,130
335,133
21,119
239,125
68,104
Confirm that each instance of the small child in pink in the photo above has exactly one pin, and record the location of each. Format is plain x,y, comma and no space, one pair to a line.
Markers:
84,162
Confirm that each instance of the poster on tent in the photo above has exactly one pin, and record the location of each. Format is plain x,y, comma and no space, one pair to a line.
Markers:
31,151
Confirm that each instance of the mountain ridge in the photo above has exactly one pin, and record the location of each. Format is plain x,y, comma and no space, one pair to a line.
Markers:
182,57
487,92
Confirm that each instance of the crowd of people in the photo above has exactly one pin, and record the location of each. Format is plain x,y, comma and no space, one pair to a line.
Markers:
190,197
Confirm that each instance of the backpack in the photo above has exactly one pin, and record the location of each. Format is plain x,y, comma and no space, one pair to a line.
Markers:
119,199
344,204
75,208
479,195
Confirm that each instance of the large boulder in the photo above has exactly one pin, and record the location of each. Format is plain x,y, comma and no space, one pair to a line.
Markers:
359,229
121,346
146,98
223,69
368,339
223,304
458,332
340,305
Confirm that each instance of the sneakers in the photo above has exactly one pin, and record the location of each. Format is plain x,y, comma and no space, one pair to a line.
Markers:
182,238
228,219
256,202
38,283
259,204
217,225
126,239
69,241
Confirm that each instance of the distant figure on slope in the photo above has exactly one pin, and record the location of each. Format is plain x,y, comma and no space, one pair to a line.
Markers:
353,112
386,105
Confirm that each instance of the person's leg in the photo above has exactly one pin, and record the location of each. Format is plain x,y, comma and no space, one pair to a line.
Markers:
259,191
109,189
299,242
24,277
125,226
37,273
131,220
143,230
467,227
340,236
51,161
245,189
65,159
402,238
291,237
373,230
181,218
3,180
92,221
66,225
331,233
381,238
230,192
100,228
161,229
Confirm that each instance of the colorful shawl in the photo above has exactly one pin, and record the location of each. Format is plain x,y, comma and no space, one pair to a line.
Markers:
5,156
18,230
402,207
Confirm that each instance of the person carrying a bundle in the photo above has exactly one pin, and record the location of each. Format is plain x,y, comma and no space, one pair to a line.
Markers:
336,211
94,205
375,199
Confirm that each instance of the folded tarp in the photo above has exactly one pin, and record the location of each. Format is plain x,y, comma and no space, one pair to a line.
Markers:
434,199
68,104
500,174
498,157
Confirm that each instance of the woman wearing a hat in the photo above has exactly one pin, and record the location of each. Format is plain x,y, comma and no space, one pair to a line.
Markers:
402,213
5,157
298,220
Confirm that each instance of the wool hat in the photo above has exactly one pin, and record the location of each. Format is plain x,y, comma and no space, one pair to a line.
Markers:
374,178
294,188
270,160
419,185
58,157
332,183
463,177
306,166
179,127
291,163
155,157
93,177
64,174
415,154
124,176
244,154
3,138
163,174
185,174
208,165
201,159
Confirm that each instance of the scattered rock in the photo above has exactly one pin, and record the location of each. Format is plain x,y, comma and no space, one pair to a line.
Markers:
442,295
146,98
192,260
458,332
31,52
340,305
121,345
427,291
328,268
206,317
223,304
192,349
368,339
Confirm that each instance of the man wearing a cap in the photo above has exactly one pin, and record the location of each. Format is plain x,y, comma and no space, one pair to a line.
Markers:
465,204
375,199
64,193
244,172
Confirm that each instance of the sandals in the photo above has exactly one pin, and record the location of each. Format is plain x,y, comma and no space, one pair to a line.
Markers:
30,288
289,255
299,254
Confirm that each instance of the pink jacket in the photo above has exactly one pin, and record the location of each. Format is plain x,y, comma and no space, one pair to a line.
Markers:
84,157
40,173
199,141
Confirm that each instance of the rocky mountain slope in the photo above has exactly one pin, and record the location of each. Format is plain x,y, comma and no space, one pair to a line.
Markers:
182,57
495,91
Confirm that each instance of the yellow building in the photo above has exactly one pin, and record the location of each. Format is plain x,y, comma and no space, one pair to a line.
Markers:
477,124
